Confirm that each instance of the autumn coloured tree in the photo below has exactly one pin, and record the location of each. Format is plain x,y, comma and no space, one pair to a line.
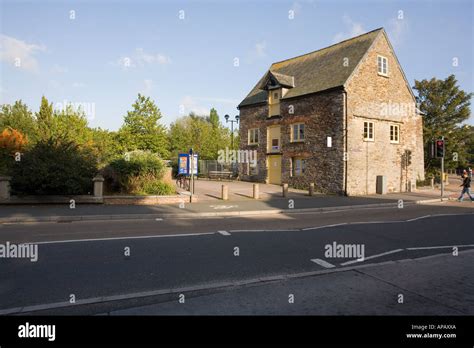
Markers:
12,142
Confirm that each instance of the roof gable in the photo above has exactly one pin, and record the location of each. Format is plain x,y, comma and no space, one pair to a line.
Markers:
317,71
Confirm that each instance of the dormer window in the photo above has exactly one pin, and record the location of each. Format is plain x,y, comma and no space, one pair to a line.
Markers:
276,85
274,96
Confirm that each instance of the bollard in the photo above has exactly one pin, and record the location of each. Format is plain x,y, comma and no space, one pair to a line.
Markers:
5,187
311,189
432,182
225,193
256,192
98,186
285,190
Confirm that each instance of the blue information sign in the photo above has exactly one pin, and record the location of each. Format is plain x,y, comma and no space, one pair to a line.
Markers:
184,164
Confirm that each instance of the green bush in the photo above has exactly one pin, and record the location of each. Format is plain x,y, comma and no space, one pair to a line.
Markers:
138,163
54,167
138,172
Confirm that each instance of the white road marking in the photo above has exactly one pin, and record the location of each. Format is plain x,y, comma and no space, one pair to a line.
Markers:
246,230
419,218
323,263
371,257
442,247
120,238
224,233
158,219
223,206
325,226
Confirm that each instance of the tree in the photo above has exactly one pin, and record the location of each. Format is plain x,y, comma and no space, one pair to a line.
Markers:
445,107
106,145
141,129
11,143
20,118
214,118
198,132
44,118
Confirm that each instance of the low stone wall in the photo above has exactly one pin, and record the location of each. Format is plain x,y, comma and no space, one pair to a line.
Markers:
148,200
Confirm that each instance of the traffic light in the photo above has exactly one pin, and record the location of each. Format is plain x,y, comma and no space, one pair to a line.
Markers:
408,157
439,148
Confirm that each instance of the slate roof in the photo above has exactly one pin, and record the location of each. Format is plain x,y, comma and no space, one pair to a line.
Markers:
316,71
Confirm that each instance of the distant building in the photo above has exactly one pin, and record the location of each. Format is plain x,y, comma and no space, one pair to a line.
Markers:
338,117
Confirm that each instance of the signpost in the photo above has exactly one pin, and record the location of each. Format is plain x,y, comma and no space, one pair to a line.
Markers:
191,186
440,152
188,166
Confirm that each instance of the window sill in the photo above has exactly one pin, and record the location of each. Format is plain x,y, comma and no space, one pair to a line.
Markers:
252,144
395,142
296,141
383,75
369,140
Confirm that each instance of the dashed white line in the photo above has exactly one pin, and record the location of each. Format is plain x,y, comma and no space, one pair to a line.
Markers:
371,257
323,263
224,233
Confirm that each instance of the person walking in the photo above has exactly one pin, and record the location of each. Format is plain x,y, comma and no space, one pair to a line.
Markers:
466,187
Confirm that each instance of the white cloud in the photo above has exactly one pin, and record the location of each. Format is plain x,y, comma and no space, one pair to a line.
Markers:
396,30
190,104
17,52
258,51
353,29
140,58
260,48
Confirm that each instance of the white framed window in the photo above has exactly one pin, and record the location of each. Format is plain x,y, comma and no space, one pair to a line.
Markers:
382,65
394,133
297,132
368,131
297,166
253,136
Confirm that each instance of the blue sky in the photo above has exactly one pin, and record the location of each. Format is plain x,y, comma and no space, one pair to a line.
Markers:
105,52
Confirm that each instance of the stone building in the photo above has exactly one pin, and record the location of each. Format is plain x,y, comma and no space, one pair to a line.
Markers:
338,117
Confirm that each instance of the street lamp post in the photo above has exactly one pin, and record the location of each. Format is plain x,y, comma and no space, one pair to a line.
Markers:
232,128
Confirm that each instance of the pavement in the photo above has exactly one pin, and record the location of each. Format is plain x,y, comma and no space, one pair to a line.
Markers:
429,286
295,202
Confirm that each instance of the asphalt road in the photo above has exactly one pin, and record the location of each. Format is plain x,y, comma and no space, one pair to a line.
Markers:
191,256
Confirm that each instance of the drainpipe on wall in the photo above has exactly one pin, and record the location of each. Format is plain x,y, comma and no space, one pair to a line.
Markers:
345,142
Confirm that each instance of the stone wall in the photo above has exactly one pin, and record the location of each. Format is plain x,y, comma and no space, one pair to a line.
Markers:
384,101
322,115
147,200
